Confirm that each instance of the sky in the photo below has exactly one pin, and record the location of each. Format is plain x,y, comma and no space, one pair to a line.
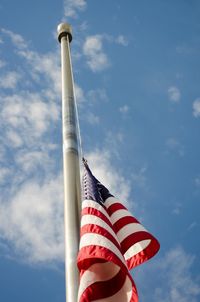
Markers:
136,67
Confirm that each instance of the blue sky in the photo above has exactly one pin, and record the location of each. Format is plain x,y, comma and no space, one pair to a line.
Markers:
137,69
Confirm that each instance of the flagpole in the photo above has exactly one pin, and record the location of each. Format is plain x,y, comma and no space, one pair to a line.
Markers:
70,165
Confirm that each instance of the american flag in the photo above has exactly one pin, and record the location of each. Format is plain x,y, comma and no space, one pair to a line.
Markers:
112,242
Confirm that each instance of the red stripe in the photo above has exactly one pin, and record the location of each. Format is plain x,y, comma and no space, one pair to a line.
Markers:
134,297
134,238
95,229
119,224
144,255
115,207
91,254
104,289
98,213
93,261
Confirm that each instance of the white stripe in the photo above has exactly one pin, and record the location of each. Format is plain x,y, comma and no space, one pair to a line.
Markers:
129,229
95,205
119,214
136,248
99,240
92,219
97,272
123,295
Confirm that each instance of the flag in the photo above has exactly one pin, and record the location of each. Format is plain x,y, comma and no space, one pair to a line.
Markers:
112,242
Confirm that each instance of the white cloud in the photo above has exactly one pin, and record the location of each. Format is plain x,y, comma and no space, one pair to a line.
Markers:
31,118
40,66
2,63
80,97
14,139
97,60
31,201
139,177
4,174
169,278
90,97
93,119
176,281
197,181
103,169
177,209
71,7
172,143
10,80
93,49
124,109
16,39
32,221
196,107
174,94
185,49
96,95
175,146
46,65
192,226
122,40
113,140
31,161
83,26
2,153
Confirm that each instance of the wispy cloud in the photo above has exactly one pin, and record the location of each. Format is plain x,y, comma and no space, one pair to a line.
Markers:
93,119
196,108
124,109
90,97
80,95
122,40
105,171
72,7
2,63
4,174
31,119
192,226
176,281
139,177
32,221
16,39
46,65
174,145
177,209
169,278
186,50
97,59
31,198
30,162
96,95
197,181
9,80
13,138
39,66
174,94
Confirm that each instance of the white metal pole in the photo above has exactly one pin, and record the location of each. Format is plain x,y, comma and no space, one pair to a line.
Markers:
71,166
